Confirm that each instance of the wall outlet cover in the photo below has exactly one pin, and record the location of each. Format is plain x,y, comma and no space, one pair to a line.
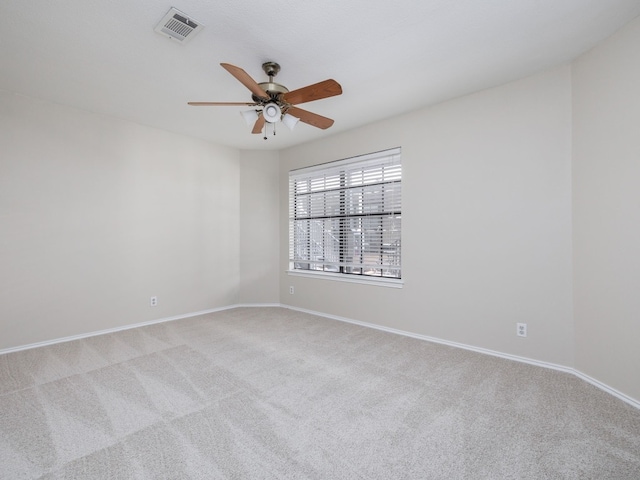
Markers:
521,329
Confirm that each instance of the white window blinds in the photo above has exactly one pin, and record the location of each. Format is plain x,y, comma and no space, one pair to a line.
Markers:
346,216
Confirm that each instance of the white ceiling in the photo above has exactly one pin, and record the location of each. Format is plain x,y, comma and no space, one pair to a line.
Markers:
390,57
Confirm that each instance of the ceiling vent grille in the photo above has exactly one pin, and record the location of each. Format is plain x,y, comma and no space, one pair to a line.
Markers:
178,26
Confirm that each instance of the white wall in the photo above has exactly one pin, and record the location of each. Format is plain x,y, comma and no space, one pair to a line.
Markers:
259,227
606,185
486,221
97,215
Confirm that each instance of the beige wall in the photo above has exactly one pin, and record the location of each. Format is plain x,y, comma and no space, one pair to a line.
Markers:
520,205
486,221
259,227
606,199
98,214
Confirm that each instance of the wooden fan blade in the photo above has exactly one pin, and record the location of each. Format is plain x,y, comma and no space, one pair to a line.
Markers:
259,125
310,118
328,88
245,79
220,104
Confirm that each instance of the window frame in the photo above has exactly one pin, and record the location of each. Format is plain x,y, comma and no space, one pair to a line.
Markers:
337,188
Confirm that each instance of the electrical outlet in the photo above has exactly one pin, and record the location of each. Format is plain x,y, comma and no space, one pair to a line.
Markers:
291,290
521,329
154,301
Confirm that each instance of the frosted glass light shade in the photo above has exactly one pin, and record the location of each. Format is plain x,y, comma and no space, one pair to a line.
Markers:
290,121
250,116
271,112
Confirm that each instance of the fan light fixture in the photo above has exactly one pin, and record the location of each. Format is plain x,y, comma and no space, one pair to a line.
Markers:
271,112
290,121
250,116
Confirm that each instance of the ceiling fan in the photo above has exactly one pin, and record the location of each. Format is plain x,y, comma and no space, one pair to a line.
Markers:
275,102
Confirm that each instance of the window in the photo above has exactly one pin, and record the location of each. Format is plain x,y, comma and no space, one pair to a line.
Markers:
345,217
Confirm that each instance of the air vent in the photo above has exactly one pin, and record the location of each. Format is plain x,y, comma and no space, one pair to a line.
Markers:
178,26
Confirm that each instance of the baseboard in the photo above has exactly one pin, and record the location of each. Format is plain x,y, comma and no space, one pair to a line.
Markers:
562,368
112,330
602,386
254,305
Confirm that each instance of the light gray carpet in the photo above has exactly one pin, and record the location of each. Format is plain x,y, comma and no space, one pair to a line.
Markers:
269,393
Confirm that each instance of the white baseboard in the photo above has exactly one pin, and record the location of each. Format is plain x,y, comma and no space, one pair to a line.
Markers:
602,386
562,368
254,305
112,330
625,398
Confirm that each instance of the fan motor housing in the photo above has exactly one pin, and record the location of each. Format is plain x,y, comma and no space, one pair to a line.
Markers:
273,89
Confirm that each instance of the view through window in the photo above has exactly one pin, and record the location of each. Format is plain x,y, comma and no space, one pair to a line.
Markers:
345,217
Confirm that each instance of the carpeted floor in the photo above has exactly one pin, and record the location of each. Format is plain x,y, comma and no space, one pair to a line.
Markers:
270,393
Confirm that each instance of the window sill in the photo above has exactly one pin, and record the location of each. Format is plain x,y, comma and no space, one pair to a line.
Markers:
341,277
